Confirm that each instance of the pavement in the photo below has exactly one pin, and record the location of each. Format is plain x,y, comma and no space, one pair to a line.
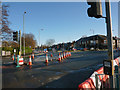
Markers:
66,74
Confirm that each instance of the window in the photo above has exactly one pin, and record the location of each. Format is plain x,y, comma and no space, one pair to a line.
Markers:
91,41
105,41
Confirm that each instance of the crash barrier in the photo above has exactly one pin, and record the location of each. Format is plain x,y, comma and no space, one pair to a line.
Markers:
99,80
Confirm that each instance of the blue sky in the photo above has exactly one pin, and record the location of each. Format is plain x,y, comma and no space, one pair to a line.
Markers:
62,21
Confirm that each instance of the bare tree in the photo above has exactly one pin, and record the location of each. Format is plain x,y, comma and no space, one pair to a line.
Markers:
50,42
30,40
6,32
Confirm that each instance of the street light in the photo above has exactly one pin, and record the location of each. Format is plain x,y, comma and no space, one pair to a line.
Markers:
39,36
24,32
93,38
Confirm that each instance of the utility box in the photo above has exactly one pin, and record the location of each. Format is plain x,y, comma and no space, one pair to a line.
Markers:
107,64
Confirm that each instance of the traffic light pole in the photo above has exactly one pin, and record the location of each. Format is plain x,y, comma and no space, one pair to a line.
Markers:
110,40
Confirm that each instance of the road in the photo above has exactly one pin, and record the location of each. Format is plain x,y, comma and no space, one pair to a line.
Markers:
66,74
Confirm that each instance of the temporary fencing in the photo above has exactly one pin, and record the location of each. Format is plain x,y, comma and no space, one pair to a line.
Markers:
97,79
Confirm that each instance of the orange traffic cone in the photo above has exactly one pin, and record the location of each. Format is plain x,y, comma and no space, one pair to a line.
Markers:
30,61
13,57
32,55
46,61
64,55
70,53
59,57
51,56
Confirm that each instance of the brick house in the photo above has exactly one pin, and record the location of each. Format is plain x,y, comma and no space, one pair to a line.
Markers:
95,41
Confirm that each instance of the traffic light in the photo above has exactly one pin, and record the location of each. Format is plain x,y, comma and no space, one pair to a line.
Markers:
96,8
15,36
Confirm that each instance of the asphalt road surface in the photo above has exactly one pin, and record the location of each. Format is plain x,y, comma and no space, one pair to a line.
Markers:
66,74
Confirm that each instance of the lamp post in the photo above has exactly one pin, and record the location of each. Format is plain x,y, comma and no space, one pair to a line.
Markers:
24,32
39,36
93,38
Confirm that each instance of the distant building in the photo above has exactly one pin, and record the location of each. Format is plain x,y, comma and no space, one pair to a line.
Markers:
96,41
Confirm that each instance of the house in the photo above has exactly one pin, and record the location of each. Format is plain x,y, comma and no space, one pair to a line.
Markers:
95,41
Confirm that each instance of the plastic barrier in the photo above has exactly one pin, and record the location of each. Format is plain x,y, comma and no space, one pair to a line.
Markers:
117,61
91,82
93,77
87,85
21,61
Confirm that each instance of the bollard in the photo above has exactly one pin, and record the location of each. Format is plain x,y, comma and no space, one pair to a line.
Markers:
117,78
18,61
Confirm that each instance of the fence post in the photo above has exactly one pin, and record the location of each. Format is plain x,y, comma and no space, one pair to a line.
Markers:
117,77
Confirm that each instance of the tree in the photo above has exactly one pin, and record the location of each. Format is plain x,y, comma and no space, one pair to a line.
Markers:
50,42
5,30
29,40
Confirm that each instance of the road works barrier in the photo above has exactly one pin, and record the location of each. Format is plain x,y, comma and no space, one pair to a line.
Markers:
98,79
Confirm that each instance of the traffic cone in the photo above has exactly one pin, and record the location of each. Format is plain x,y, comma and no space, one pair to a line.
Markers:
51,56
46,61
59,57
30,61
13,57
32,55
64,55
70,53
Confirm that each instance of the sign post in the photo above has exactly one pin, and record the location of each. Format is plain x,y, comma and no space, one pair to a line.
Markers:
109,39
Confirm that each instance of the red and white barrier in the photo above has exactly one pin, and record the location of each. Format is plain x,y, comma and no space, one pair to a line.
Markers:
88,84
94,79
21,61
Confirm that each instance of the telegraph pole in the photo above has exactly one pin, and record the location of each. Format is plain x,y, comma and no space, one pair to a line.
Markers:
110,39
